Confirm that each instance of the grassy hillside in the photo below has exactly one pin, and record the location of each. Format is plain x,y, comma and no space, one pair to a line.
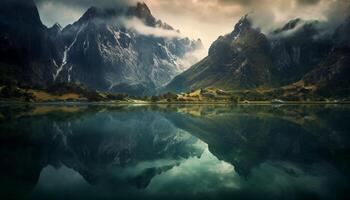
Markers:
57,93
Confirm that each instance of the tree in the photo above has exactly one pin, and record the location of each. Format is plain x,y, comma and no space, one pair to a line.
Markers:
235,99
155,98
170,96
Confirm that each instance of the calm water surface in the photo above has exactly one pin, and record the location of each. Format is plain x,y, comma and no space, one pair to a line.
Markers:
174,152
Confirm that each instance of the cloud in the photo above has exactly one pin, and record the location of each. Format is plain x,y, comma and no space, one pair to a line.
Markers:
208,19
88,3
140,27
52,13
137,25
270,14
68,11
308,2
191,58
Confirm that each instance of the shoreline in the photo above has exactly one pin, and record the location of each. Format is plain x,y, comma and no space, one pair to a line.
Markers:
176,103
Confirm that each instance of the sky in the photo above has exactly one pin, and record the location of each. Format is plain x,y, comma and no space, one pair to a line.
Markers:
206,19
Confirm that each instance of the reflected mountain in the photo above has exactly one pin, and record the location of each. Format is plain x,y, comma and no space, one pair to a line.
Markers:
248,136
171,151
105,147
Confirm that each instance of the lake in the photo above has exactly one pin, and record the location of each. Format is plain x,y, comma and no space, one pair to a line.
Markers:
174,152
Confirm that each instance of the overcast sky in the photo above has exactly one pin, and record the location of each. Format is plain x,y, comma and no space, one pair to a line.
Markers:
205,19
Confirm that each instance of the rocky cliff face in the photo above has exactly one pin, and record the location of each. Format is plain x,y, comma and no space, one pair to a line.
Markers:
297,48
26,50
122,49
105,51
331,75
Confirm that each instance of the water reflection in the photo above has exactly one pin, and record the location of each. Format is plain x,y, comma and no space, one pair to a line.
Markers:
180,152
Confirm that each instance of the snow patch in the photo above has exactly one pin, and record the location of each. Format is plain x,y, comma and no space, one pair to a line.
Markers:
65,53
63,63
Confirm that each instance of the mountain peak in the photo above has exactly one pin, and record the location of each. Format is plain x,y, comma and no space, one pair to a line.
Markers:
56,26
89,14
143,8
103,13
140,11
242,24
143,12
288,26
54,29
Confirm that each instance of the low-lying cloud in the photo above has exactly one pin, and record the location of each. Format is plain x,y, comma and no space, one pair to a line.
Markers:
137,25
330,11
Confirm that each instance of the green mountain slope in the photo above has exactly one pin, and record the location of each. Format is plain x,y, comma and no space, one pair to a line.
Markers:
237,60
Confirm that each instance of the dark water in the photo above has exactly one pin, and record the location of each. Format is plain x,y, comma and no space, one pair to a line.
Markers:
174,152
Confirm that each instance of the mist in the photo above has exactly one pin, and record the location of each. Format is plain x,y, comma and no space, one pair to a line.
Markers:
206,19
142,29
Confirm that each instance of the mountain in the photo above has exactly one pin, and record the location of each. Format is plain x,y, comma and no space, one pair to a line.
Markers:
126,49
105,50
331,76
121,49
26,51
297,48
299,51
236,60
